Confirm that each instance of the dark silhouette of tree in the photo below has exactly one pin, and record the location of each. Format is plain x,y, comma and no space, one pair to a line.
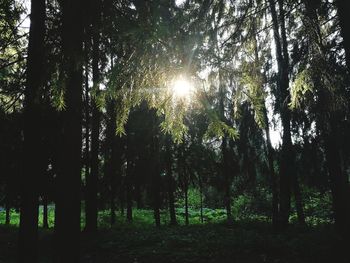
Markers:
67,225
28,234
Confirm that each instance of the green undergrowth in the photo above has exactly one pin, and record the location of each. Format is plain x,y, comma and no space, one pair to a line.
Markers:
249,239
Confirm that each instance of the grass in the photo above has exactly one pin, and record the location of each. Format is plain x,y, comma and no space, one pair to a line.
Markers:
246,240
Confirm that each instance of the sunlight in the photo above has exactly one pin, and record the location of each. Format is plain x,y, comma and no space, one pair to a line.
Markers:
181,87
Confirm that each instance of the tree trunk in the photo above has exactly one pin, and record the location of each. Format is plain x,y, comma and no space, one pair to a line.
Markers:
87,117
338,181
269,149
156,170
28,231
227,184
170,182
111,162
201,201
45,212
92,180
8,212
67,228
273,177
298,200
343,15
186,205
122,200
287,156
329,122
128,177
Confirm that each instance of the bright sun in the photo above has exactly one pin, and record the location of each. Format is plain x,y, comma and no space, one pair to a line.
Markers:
182,87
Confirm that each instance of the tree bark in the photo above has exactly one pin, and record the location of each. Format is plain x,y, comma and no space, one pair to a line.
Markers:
201,201
225,171
110,157
28,231
128,177
287,156
45,212
155,169
87,114
8,212
273,177
170,182
338,181
67,228
92,180
187,221
227,183
344,21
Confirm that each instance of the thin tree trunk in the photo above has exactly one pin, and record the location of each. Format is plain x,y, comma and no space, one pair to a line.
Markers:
122,200
227,183
45,212
87,117
138,195
186,205
298,200
113,159
92,180
128,178
156,170
8,212
67,228
171,198
28,231
273,177
201,201
344,20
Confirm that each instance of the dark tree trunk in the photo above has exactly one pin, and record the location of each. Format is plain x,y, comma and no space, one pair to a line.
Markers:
187,221
225,171
344,21
227,183
155,170
28,232
87,116
273,177
170,182
338,180
111,160
8,212
128,177
269,150
329,123
201,202
287,156
92,180
45,212
138,195
298,200
67,228
122,200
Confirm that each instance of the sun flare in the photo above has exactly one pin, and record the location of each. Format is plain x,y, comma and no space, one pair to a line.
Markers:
182,87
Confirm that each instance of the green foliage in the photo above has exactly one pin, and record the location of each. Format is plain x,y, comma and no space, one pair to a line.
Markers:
219,129
302,85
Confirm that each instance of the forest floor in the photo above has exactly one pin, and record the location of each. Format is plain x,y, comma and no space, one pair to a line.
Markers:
242,242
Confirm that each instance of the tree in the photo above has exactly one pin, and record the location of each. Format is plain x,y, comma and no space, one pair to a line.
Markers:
345,31
282,57
28,234
92,178
67,227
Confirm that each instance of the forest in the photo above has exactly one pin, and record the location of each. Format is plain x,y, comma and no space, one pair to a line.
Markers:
174,131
